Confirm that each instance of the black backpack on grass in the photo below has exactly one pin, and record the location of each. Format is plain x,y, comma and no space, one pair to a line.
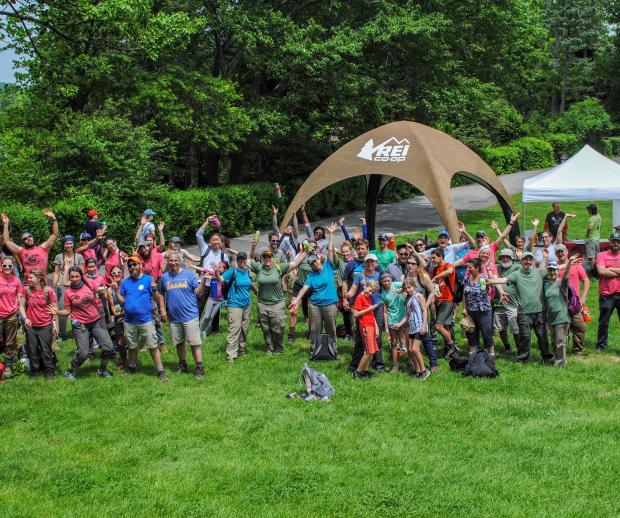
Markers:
324,349
481,365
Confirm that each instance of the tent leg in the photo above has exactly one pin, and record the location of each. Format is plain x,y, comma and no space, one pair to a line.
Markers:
523,215
372,194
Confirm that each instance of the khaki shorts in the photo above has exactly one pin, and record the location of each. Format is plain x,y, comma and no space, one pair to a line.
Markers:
135,333
186,332
504,318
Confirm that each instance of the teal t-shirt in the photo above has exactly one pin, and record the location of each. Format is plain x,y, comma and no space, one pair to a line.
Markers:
323,286
395,303
239,292
384,258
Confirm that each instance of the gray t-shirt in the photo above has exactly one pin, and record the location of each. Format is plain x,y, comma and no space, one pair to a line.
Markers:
64,263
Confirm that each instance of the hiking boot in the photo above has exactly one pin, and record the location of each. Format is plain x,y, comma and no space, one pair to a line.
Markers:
394,368
105,373
424,375
358,375
34,375
162,376
182,368
70,374
49,375
131,369
380,368
199,374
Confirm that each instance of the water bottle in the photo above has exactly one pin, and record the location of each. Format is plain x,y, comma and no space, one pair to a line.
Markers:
483,284
257,235
278,190
586,314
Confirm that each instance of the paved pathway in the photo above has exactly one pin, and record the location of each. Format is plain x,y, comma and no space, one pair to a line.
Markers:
413,214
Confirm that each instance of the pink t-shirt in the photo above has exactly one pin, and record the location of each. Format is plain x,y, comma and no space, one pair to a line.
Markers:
577,274
36,306
10,286
89,254
111,261
473,254
95,283
152,265
35,257
608,285
82,300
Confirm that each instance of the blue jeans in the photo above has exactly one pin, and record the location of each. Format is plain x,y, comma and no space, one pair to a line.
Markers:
484,327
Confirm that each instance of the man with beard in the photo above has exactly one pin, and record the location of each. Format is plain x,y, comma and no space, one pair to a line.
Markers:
135,294
152,265
608,265
31,256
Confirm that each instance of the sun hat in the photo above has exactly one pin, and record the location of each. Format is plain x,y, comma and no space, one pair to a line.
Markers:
175,239
370,257
527,254
507,252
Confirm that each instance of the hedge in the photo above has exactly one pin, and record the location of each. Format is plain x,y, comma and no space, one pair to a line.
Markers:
563,143
503,159
537,154
611,146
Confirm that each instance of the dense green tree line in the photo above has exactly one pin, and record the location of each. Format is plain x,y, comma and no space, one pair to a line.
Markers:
118,95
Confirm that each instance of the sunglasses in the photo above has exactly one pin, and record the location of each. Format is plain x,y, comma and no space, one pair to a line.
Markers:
7,266
412,263
133,265
403,253
418,245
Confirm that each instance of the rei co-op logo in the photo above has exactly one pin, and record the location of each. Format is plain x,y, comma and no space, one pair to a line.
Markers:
392,150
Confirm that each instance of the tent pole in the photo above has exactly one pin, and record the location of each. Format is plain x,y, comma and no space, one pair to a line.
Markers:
523,214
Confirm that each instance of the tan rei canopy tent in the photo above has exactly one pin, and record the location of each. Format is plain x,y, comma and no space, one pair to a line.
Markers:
420,155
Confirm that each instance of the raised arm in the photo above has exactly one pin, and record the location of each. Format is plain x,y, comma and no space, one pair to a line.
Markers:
298,260
461,228
306,221
12,247
513,219
200,238
559,237
162,240
364,229
495,227
534,238
139,231
49,243
343,228
274,221
331,255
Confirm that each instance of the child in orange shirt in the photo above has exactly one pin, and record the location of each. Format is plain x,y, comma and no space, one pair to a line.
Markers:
364,311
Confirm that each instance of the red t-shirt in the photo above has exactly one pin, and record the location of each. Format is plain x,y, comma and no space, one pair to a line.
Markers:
36,306
10,286
608,285
473,254
95,283
152,265
35,257
361,303
89,253
82,300
577,274
112,260
446,293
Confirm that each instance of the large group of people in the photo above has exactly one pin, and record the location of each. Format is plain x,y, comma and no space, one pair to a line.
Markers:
406,297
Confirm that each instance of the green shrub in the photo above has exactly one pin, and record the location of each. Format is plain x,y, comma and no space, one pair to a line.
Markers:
537,154
611,146
563,143
587,119
503,159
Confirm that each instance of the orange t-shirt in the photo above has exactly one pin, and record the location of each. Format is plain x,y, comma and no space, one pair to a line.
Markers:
446,284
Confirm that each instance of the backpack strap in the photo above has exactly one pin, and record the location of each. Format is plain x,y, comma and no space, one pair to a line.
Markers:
48,296
204,256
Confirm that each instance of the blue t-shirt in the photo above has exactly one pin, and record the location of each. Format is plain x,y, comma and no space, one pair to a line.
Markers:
352,271
323,286
361,281
180,297
137,294
239,292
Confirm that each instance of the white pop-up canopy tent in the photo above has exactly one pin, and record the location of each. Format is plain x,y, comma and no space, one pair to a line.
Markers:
586,176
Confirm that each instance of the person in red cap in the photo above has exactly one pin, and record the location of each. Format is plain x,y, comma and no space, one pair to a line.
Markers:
93,224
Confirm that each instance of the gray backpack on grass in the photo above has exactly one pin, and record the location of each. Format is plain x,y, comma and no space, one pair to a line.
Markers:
317,381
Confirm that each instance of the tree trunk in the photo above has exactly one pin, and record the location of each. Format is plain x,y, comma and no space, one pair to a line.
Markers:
191,167
213,169
564,87
236,168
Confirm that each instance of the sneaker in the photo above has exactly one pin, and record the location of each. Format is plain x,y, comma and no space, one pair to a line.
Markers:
368,374
358,375
598,350
182,368
310,397
69,374
49,376
34,375
105,373
380,368
424,375
199,374
162,376
230,360
394,368
290,340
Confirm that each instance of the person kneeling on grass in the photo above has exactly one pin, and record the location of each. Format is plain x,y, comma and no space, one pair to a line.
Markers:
363,310
417,327
177,297
79,303
135,294
395,311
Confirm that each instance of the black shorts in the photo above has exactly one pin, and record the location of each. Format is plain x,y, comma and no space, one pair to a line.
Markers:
297,288
415,336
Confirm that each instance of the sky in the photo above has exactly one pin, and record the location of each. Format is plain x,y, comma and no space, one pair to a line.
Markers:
7,74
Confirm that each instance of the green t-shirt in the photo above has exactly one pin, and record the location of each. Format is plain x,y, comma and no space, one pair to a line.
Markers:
556,307
509,289
595,223
528,285
270,282
384,258
395,303
302,272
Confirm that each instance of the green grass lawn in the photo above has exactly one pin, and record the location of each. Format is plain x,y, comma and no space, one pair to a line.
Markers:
537,441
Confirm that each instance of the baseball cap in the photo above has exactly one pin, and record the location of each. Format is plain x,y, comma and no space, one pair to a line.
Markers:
444,233
267,253
552,265
242,255
527,254
385,275
68,237
92,213
134,259
481,233
592,206
312,258
142,243
26,235
175,239
85,236
561,247
384,237
149,212
507,252
615,236
370,257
